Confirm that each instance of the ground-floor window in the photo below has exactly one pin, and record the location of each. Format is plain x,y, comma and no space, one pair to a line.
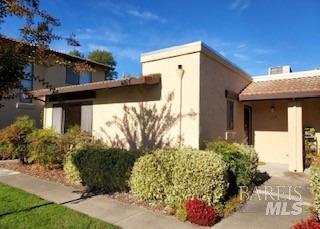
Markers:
230,115
67,115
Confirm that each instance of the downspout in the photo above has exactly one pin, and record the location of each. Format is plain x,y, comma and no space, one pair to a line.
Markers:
180,73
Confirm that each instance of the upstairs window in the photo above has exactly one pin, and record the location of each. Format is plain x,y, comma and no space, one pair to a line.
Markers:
230,115
71,76
27,83
74,78
85,77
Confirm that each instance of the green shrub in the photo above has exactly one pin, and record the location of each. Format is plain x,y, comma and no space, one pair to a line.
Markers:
200,174
13,139
251,161
73,137
242,161
173,176
181,213
44,147
315,184
103,168
70,169
152,174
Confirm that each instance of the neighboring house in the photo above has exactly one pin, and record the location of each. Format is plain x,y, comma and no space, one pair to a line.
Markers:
189,95
56,76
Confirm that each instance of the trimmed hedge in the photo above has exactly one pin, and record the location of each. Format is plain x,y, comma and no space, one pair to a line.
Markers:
151,177
102,168
242,161
173,176
315,184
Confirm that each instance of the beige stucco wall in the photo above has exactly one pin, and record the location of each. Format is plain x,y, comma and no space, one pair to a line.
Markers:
56,76
271,130
216,78
109,104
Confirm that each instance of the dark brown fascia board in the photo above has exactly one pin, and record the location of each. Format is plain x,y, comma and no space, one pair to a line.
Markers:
282,95
148,79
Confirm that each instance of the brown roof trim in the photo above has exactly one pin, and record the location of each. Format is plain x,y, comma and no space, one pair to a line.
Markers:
142,80
61,54
283,95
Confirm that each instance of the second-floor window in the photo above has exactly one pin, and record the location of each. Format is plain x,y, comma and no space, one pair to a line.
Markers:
73,77
27,83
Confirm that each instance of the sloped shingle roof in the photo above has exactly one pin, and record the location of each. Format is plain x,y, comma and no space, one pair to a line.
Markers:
299,87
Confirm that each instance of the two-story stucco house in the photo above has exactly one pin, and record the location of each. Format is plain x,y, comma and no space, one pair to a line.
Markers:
55,76
209,98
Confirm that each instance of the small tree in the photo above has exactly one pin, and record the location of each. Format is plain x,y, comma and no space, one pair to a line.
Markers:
77,53
105,57
36,35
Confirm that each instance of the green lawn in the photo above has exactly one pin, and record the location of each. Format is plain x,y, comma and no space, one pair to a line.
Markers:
19,209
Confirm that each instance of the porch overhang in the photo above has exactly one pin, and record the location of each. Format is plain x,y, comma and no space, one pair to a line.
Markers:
291,88
142,80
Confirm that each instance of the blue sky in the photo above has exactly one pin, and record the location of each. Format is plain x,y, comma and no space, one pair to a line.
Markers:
254,34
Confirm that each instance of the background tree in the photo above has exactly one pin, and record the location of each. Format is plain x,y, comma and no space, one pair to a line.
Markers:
77,53
36,35
105,57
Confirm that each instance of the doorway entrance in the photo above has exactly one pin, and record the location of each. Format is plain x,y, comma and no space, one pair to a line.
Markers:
248,124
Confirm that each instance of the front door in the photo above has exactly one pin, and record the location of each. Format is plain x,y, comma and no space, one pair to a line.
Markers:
72,116
248,124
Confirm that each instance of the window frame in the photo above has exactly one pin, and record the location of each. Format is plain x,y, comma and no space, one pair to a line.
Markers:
230,116
29,78
76,82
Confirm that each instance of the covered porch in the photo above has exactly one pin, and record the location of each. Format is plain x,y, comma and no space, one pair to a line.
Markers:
282,111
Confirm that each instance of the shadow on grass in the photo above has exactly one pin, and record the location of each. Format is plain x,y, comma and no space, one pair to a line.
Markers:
83,197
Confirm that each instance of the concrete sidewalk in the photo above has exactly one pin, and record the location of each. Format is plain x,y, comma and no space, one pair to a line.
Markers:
253,214
100,206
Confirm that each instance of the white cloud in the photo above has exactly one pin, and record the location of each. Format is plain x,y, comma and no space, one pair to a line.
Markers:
240,5
146,15
122,9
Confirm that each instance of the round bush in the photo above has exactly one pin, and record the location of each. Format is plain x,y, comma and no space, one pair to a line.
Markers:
199,174
173,176
44,147
13,139
103,168
242,161
200,213
151,175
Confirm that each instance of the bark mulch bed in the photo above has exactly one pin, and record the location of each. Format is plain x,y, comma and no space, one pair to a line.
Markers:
57,175
50,174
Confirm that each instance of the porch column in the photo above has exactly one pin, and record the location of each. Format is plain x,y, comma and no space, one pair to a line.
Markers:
295,134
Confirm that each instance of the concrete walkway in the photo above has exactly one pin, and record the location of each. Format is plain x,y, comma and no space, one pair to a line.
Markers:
251,216
101,207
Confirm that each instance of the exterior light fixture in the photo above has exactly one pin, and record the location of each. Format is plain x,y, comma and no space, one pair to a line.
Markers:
180,71
272,109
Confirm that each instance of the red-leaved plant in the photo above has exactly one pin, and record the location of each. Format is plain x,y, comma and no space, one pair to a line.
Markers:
311,223
200,213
